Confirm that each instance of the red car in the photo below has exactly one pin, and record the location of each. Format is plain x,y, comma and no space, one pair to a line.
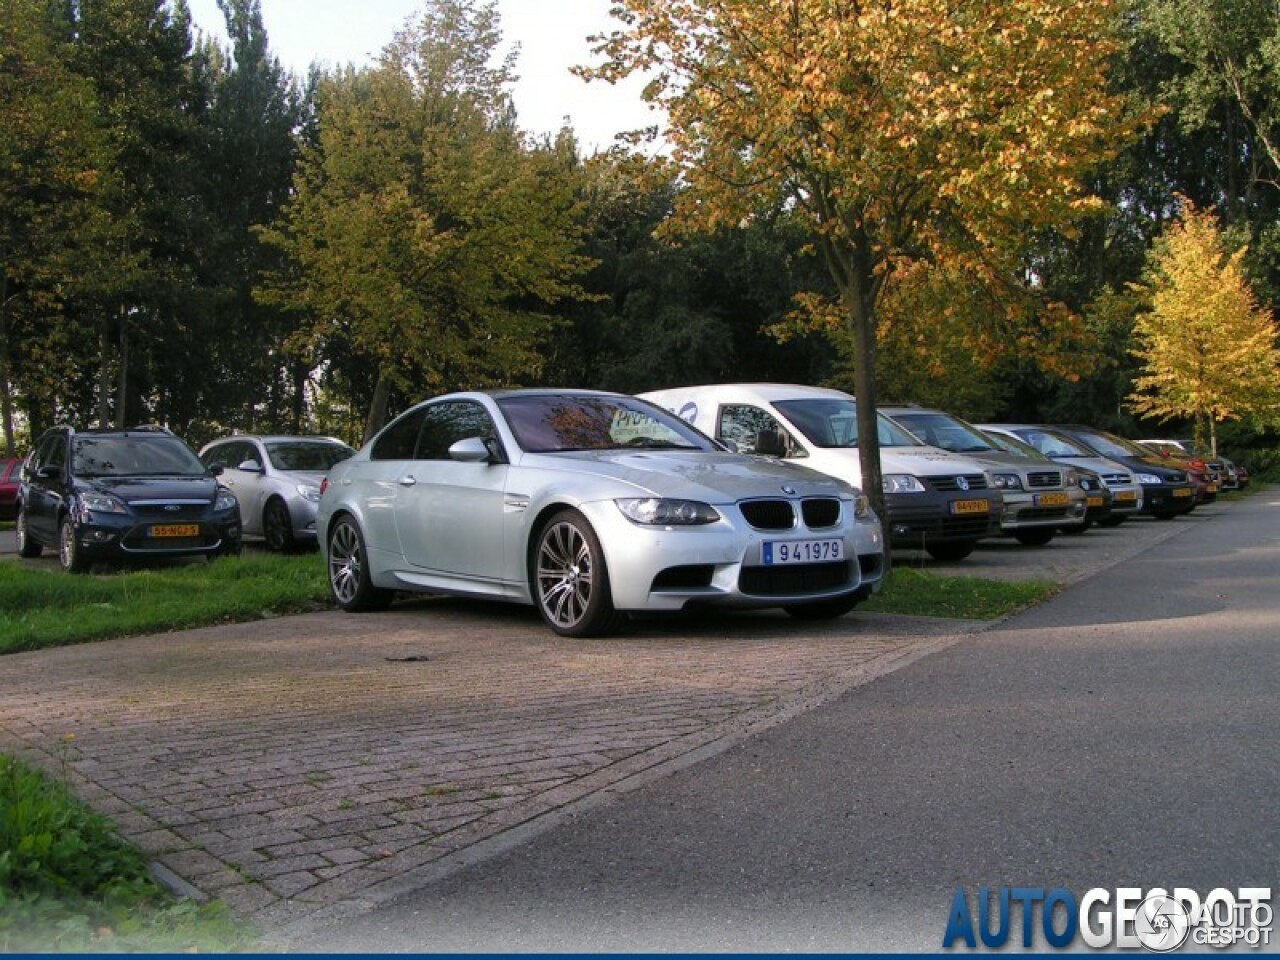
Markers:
9,470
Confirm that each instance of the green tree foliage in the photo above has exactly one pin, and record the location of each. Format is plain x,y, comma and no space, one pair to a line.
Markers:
250,130
141,241
49,168
424,241
927,131
1207,348
667,311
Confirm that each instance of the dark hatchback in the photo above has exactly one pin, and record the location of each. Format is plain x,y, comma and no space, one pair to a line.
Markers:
1167,491
122,495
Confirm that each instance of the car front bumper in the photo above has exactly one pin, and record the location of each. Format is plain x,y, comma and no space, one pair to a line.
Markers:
723,564
939,517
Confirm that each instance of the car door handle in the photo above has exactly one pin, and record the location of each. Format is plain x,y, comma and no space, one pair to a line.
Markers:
408,481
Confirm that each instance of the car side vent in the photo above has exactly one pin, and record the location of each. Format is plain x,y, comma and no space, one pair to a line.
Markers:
769,514
820,512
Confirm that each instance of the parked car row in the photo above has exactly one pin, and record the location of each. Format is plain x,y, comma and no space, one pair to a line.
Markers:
589,505
100,495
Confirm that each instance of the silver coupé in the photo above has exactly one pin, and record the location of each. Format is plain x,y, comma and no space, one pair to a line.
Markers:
587,504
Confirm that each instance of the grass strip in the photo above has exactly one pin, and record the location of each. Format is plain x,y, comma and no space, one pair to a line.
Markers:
919,593
40,606
69,884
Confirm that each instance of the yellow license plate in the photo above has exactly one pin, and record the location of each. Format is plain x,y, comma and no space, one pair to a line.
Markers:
1123,495
175,530
969,506
1094,501
1211,488
1052,499
1182,492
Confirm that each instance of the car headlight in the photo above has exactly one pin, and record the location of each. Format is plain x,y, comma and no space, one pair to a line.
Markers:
1006,481
900,483
1086,483
226,500
1149,478
307,492
1072,479
862,507
662,512
102,503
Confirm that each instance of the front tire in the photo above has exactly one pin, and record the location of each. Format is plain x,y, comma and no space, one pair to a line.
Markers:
950,551
69,556
277,527
347,560
1034,538
570,581
27,547
824,609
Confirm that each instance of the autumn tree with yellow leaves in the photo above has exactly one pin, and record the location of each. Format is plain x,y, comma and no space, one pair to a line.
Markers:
1207,348
941,133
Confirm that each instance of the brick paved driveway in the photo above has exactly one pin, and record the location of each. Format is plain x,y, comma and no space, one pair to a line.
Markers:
306,765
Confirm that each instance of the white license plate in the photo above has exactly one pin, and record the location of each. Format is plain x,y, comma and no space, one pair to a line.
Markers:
779,552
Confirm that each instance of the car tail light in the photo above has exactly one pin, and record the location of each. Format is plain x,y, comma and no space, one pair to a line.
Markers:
1198,463
324,485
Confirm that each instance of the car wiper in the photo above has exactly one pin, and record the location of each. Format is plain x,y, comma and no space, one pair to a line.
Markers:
648,443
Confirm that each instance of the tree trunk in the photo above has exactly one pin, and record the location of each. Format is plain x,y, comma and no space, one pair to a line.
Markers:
122,384
378,405
6,394
104,372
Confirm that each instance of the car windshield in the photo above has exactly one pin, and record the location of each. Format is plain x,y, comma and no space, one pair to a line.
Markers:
941,430
833,422
1012,445
134,455
559,423
1110,445
306,455
1053,444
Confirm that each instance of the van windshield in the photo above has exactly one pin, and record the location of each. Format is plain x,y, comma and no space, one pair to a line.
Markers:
833,422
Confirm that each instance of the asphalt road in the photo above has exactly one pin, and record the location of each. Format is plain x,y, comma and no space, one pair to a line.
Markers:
1122,734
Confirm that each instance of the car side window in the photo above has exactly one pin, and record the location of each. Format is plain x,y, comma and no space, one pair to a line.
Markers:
742,424
398,441
447,423
53,453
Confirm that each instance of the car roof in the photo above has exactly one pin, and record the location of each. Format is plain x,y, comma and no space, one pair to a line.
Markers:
277,436
763,391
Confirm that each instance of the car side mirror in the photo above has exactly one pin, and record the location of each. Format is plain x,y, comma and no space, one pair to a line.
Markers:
471,450
216,468
770,443
250,466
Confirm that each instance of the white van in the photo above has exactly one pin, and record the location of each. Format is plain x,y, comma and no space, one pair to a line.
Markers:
937,501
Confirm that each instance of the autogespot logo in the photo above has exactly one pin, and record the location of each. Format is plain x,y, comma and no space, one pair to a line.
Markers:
1127,918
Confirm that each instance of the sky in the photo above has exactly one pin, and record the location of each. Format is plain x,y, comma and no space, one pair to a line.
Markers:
551,33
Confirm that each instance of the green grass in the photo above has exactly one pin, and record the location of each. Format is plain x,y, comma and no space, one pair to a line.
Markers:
922,594
40,606
68,884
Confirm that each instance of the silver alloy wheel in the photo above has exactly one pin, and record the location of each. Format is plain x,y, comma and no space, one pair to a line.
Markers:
565,574
346,561
67,545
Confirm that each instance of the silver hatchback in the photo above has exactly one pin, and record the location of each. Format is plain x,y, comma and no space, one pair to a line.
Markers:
277,481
